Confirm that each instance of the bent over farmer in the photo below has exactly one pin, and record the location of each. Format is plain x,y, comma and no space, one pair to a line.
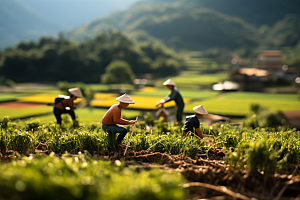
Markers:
113,117
192,123
176,96
65,104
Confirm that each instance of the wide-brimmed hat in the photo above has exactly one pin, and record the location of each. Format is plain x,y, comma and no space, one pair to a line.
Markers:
125,99
169,82
76,92
200,110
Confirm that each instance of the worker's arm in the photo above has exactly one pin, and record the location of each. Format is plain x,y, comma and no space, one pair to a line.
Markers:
201,135
118,120
199,132
171,97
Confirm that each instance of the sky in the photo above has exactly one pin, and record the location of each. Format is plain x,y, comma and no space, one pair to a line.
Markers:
72,13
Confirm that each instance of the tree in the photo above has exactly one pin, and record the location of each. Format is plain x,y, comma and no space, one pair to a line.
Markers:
118,71
166,67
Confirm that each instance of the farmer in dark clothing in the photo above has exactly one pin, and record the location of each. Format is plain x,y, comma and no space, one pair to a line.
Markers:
176,96
66,105
192,123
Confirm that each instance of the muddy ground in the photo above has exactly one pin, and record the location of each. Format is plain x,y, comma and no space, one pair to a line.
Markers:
212,178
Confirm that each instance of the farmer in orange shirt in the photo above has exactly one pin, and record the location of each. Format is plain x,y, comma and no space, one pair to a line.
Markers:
113,117
65,104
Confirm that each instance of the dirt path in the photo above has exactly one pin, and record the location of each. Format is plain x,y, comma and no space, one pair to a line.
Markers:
18,105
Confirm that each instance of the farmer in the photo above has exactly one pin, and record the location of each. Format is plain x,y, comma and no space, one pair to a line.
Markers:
176,96
113,117
192,122
65,104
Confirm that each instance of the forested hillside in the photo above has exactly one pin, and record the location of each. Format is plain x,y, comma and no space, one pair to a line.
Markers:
204,24
111,53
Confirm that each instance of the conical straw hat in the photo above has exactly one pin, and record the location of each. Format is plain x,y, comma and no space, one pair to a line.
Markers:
200,110
125,99
76,92
169,82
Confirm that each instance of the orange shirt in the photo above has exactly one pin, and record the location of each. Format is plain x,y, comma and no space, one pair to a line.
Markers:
113,116
67,103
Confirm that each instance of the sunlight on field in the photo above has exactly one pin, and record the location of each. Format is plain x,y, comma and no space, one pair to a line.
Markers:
104,95
85,115
9,96
148,89
194,78
24,112
141,102
240,103
41,98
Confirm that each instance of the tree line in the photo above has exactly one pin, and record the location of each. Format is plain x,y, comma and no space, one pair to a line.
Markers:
110,57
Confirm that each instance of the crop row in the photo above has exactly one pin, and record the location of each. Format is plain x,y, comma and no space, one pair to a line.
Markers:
79,177
160,137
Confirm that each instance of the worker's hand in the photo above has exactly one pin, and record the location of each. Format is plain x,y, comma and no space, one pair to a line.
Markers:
133,121
157,103
213,137
160,102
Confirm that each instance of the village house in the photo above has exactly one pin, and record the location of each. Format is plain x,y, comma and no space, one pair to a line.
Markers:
270,60
250,79
268,69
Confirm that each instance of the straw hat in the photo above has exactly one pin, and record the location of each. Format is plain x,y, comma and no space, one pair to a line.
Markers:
200,110
76,92
125,99
169,82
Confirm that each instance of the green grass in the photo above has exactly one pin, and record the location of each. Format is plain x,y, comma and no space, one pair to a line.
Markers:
87,115
101,87
186,93
238,103
194,79
10,96
23,112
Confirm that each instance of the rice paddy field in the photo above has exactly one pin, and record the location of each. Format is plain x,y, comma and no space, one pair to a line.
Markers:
239,103
33,105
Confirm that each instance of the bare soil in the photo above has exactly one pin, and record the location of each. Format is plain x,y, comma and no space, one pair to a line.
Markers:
18,105
212,178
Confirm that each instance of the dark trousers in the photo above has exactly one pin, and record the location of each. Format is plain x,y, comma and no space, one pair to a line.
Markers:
57,113
179,112
117,129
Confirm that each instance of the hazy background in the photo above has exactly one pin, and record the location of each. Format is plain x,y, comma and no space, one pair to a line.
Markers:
30,19
70,13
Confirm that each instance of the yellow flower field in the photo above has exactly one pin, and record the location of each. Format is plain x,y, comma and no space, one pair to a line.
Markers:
141,102
105,95
147,89
41,98
103,100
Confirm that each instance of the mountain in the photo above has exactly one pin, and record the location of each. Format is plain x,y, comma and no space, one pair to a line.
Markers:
198,24
20,22
72,13
31,19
